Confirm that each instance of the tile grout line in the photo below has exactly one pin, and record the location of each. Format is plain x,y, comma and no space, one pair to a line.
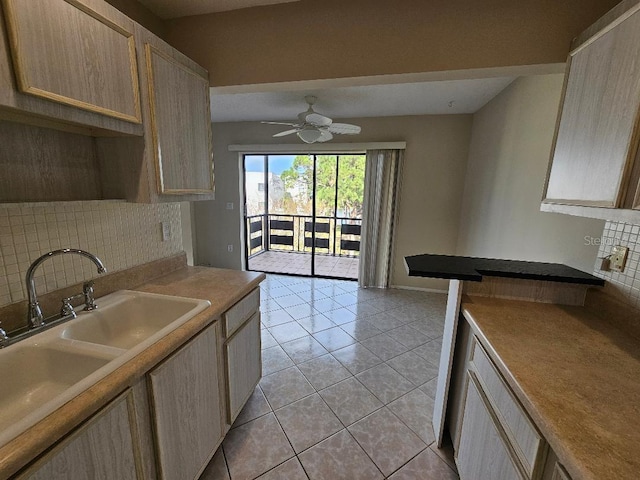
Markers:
297,454
362,448
336,306
404,464
346,427
224,457
281,428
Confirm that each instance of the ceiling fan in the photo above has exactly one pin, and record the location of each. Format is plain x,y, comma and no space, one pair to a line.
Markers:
313,127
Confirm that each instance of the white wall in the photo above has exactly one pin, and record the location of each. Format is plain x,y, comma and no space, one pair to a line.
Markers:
508,158
430,199
187,229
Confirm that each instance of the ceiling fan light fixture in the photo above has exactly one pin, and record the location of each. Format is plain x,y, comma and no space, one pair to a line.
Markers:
309,134
313,127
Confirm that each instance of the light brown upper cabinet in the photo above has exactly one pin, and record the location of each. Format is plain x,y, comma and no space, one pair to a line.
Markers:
180,121
592,161
66,51
83,67
177,162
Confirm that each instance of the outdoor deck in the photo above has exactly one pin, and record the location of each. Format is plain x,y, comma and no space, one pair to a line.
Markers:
299,263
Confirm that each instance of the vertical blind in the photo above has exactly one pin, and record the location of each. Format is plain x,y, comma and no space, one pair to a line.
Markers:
382,172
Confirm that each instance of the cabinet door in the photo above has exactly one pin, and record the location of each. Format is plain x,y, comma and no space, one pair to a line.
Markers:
104,448
186,403
180,123
559,473
244,365
596,136
66,52
519,431
482,453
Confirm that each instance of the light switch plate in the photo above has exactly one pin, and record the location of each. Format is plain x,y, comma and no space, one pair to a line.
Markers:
618,258
166,231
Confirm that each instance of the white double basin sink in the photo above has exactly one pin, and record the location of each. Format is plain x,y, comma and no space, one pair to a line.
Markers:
43,372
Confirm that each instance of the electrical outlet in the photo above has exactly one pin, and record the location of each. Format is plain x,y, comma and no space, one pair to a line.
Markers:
166,231
230,206
618,258
229,248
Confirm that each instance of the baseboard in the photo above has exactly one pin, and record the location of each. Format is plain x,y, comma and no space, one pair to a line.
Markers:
420,289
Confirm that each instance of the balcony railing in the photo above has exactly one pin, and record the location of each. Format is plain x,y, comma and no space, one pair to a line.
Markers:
336,236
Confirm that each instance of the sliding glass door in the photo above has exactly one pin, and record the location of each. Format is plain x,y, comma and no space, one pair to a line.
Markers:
276,203
303,213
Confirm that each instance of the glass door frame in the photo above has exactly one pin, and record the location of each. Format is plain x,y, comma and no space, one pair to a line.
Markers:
247,231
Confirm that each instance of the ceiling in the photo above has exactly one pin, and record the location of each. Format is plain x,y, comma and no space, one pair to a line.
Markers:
423,98
285,102
396,98
166,9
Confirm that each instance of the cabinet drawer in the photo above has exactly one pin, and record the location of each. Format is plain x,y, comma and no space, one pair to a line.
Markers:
523,436
238,314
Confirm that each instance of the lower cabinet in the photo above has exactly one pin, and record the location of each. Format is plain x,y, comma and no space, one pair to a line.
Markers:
553,470
244,365
103,448
559,473
482,453
171,421
185,397
494,438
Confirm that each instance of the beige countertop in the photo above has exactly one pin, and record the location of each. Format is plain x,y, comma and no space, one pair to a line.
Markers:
577,375
223,288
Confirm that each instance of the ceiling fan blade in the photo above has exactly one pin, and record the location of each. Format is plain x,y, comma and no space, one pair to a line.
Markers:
344,128
325,136
317,119
302,117
282,123
286,132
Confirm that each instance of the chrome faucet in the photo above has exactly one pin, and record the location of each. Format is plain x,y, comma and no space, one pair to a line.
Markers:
34,316
4,338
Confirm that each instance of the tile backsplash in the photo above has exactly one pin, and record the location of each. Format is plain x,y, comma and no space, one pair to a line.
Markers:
624,285
121,234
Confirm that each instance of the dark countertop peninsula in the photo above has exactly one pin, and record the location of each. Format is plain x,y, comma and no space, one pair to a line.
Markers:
473,269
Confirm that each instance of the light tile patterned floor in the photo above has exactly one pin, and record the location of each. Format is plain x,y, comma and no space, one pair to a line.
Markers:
298,263
349,377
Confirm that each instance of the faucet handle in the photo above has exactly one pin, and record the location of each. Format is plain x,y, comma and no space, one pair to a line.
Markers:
67,309
4,338
89,299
